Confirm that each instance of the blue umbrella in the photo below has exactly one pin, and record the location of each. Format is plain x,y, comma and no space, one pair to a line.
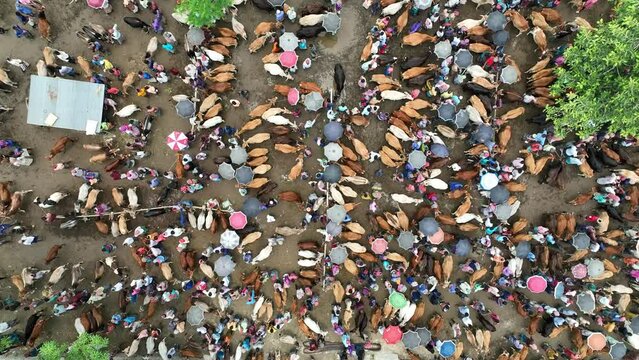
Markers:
251,207
439,150
634,325
500,38
446,112
447,349
226,171
333,131
244,175
332,173
617,351
333,228
522,249
428,226
462,119
463,247
499,194
463,58
581,241
496,21
484,134
424,335
560,288
406,240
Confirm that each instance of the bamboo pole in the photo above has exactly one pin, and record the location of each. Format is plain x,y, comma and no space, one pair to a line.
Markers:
129,211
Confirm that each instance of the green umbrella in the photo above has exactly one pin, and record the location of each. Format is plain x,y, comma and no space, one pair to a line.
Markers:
397,300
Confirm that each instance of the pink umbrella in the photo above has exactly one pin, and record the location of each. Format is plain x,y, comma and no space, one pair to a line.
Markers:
238,220
392,334
293,96
536,284
97,4
177,141
379,246
288,59
437,238
596,341
579,271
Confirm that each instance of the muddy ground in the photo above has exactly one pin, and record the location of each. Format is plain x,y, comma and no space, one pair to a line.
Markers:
83,243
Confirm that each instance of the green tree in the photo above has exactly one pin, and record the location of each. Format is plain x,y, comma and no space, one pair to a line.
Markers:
85,347
599,87
203,12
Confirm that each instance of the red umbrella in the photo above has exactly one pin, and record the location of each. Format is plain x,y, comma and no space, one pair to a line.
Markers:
177,141
437,238
238,220
288,59
596,341
293,96
393,334
96,4
379,246
579,271
536,284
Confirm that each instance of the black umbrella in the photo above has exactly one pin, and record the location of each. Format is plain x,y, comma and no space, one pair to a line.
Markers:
496,21
446,112
499,194
333,131
500,38
332,173
251,207
463,58
484,134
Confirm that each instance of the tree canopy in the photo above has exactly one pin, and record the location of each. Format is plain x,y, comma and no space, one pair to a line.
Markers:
598,88
85,347
203,12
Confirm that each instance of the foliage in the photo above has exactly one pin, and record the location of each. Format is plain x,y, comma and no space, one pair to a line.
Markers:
85,347
6,343
203,12
599,86
51,350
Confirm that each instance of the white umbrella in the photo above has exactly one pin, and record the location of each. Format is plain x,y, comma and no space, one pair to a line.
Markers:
226,171
443,49
229,239
313,101
509,75
333,151
288,41
417,159
336,213
238,155
224,266
177,141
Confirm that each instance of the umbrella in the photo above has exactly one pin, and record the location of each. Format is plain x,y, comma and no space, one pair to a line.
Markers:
392,334
332,151
423,4
488,181
331,22
439,150
595,267
509,75
406,240
634,325
499,194
185,108
229,239
417,159
461,119
333,131
579,271
333,228
617,351
288,59
484,134
238,220
177,141
411,339
244,175
424,335
536,284
226,171
500,38
463,58
195,36
288,41
447,349
446,112
463,247
428,226
581,241
293,96
251,207
437,238
560,288
522,249
332,173
224,266
97,4
338,255
336,213
195,315
397,300
313,101
379,246
596,341
238,155
443,49
276,3
586,302
496,21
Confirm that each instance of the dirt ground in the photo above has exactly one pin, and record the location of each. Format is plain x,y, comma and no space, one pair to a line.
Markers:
83,243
